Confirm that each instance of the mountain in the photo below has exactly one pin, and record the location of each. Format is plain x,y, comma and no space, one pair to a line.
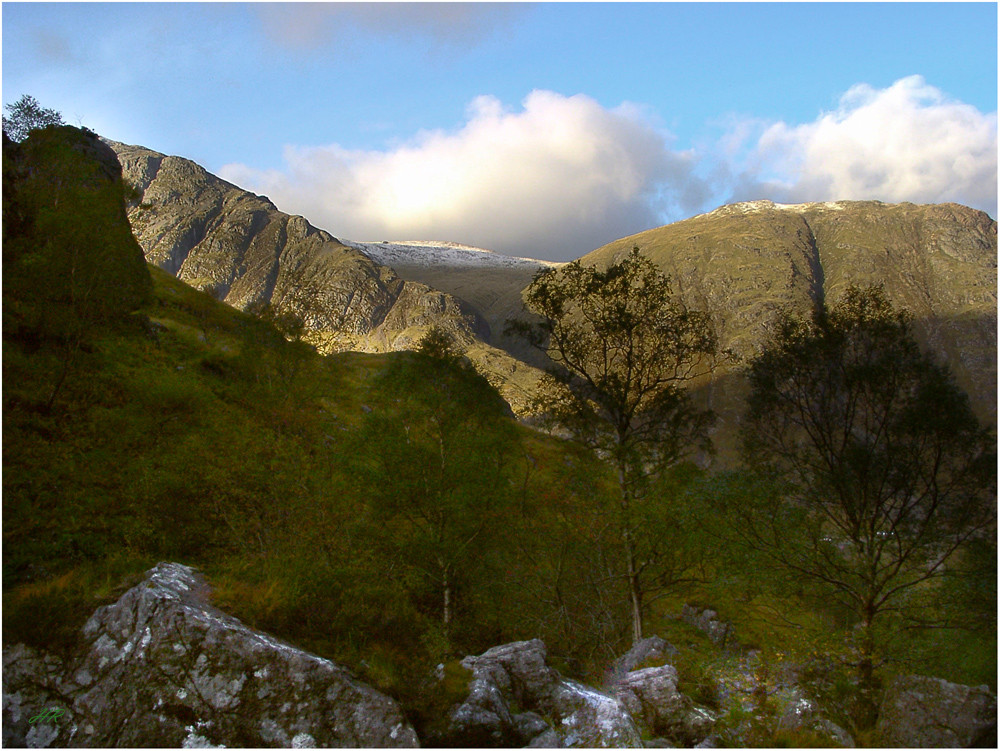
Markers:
746,261
741,262
217,237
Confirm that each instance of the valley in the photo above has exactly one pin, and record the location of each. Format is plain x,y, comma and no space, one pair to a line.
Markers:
232,438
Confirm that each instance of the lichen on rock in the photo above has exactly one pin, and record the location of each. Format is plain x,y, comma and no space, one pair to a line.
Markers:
163,667
515,698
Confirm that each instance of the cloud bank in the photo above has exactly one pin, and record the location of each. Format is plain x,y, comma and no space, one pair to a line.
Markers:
563,175
549,180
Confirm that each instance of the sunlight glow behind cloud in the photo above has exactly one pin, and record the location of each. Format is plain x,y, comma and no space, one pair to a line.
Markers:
548,180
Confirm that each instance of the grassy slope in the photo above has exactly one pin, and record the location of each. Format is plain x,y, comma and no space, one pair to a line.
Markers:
145,419
195,444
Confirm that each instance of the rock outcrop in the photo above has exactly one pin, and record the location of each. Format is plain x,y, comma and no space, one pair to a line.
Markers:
922,712
217,237
707,621
515,698
652,697
162,667
652,651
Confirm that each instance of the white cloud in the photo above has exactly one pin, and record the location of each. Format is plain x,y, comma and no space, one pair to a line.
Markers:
563,175
908,142
554,180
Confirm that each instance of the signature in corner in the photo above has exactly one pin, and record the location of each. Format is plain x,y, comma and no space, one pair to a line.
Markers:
48,714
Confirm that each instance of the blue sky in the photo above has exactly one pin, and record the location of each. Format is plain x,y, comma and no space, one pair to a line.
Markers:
537,129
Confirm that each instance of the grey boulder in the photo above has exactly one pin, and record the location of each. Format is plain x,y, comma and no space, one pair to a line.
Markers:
516,699
922,712
653,699
648,652
162,667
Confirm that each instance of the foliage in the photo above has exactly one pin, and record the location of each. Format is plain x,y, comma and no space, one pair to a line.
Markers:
436,467
450,686
70,262
49,614
302,484
26,115
623,345
884,470
72,249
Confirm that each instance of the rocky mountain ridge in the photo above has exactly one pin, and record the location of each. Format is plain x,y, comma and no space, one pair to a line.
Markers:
741,262
237,245
745,262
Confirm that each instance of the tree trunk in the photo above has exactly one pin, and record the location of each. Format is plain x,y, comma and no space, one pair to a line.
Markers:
635,592
866,706
631,567
446,610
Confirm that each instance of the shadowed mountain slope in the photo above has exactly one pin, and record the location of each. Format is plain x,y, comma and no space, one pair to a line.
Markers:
745,261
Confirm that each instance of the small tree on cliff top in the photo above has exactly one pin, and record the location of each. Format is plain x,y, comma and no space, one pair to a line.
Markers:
623,346
25,115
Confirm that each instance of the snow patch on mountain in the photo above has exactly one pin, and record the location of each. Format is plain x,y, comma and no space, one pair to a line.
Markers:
430,253
756,207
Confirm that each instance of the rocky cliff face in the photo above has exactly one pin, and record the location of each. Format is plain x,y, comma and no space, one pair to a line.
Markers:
162,667
214,236
222,239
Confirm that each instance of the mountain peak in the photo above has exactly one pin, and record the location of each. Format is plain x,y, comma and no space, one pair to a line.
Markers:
761,205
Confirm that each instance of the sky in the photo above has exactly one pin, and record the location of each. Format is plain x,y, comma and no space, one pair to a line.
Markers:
543,130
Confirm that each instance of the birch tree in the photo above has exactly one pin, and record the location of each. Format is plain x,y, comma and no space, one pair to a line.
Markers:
623,348
884,471
438,447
